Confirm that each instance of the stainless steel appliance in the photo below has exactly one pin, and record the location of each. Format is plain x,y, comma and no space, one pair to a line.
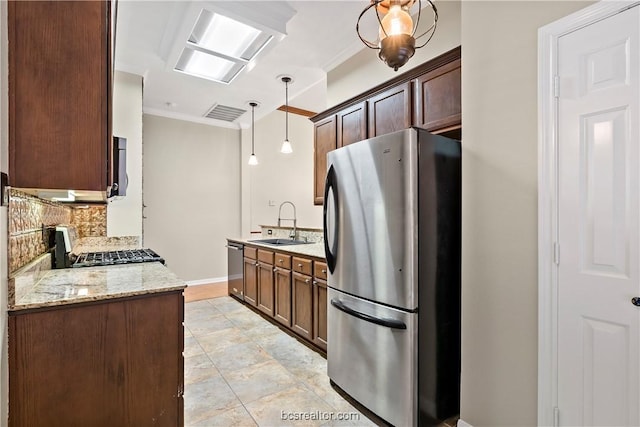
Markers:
235,269
127,256
392,243
120,179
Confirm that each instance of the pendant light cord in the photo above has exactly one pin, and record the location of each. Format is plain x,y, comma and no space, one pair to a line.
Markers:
253,125
286,111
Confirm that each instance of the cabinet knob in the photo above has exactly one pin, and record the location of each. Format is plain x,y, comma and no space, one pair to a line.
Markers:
275,269
280,261
315,282
256,264
307,280
324,271
299,265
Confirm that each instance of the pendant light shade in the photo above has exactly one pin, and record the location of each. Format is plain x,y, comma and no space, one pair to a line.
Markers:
253,160
286,145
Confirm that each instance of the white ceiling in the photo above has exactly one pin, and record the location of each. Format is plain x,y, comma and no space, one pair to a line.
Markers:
320,35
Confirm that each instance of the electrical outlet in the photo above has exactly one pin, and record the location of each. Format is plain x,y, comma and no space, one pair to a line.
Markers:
269,231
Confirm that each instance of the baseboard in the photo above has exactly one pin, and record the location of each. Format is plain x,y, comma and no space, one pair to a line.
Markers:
463,423
206,281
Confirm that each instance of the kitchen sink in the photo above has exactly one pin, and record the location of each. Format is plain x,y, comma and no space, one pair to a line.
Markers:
280,242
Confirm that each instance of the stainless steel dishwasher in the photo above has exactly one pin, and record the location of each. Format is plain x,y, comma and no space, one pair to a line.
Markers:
235,269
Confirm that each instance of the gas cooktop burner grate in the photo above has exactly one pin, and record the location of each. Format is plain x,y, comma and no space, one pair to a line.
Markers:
93,259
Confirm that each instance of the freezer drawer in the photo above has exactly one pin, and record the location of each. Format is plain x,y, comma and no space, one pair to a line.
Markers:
371,355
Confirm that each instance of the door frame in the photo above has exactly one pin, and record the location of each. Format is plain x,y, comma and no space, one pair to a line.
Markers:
548,251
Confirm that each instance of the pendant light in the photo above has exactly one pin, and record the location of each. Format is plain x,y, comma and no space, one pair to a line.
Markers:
253,160
286,145
396,34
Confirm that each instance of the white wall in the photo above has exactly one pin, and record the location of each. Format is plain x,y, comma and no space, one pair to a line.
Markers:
499,206
124,214
365,70
4,236
279,177
192,192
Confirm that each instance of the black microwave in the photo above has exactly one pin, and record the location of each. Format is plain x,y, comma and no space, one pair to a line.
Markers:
119,167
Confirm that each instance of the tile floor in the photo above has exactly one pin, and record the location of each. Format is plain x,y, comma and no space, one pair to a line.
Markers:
240,370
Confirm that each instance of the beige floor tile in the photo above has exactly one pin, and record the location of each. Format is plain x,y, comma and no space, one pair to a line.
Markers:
245,319
227,305
198,368
237,356
259,380
236,417
191,347
240,369
207,399
218,340
296,406
207,324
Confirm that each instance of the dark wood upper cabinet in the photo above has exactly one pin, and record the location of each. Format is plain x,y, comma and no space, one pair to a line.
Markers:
390,110
324,141
60,81
352,124
438,98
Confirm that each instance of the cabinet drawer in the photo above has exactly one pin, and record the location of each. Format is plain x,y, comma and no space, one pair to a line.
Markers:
283,261
250,252
265,256
302,265
320,270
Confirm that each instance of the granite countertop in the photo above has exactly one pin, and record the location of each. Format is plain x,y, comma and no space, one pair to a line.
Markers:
74,285
315,250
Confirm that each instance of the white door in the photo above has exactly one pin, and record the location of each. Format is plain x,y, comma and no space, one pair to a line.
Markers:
598,218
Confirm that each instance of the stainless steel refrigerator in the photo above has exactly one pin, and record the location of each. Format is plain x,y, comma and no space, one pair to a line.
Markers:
392,243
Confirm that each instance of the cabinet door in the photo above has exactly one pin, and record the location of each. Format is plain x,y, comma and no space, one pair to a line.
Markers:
302,316
250,281
59,90
282,280
324,141
320,313
115,363
390,111
265,288
352,124
438,98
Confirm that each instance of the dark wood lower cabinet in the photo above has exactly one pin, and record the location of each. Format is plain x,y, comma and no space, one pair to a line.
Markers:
110,363
302,310
265,288
290,290
282,280
320,313
251,281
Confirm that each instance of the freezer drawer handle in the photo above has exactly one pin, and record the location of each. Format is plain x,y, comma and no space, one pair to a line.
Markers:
389,323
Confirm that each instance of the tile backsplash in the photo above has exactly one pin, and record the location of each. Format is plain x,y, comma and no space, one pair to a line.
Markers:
30,221
29,218
90,220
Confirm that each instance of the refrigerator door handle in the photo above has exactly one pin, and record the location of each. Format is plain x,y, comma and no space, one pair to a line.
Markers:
389,323
331,185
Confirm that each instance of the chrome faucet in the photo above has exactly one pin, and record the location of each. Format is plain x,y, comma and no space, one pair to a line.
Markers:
292,235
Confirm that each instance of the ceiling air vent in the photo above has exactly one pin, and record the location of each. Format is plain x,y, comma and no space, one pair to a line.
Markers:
224,112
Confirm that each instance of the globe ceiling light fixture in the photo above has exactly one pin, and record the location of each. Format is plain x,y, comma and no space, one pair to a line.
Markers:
253,160
396,35
286,145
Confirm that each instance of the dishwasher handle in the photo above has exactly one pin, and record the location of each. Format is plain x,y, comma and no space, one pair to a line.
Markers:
235,248
389,323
